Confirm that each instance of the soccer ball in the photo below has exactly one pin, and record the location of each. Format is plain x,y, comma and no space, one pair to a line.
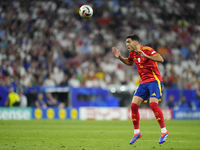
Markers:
86,11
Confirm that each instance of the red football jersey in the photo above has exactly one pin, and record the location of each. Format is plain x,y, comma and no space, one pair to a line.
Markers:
147,68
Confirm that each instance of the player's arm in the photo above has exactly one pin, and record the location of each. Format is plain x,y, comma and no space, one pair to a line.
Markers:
118,55
156,57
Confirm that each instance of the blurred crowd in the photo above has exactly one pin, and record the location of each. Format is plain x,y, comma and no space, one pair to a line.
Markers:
47,43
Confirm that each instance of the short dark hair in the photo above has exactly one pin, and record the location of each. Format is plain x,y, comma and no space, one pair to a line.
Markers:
133,37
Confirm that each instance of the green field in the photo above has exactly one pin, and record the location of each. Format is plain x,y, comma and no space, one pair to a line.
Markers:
95,135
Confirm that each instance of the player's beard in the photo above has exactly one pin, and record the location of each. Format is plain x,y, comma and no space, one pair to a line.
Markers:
132,48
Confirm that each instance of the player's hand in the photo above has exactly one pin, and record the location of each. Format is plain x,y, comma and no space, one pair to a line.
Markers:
141,53
116,52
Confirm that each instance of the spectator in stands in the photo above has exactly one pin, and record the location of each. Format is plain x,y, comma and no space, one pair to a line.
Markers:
58,75
53,102
73,81
182,103
64,81
198,91
40,103
33,82
170,102
49,81
13,98
23,99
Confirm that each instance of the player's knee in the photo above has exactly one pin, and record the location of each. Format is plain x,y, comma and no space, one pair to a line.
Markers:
134,106
153,99
153,105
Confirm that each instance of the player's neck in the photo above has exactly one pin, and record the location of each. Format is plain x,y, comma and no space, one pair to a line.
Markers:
136,50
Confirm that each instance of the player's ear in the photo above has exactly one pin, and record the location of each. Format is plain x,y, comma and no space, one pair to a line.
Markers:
136,43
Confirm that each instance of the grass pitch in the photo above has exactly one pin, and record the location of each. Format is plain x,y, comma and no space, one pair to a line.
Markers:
96,135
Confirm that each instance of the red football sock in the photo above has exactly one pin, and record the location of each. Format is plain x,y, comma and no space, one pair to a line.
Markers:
158,114
135,115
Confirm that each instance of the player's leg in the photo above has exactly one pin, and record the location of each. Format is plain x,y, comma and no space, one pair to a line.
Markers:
136,102
153,102
156,93
160,118
139,96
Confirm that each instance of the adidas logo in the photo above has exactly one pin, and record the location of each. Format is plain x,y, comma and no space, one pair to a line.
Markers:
134,119
158,119
154,94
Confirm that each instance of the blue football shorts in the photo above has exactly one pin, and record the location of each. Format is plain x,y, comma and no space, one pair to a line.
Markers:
149,89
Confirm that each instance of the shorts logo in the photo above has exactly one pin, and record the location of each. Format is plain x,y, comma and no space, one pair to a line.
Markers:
154,94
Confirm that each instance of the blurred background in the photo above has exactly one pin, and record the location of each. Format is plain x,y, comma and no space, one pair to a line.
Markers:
51,57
